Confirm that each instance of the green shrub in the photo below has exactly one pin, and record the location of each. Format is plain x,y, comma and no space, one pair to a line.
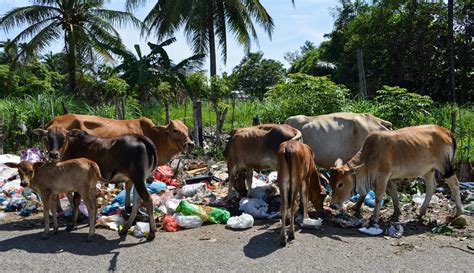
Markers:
305,95
401,107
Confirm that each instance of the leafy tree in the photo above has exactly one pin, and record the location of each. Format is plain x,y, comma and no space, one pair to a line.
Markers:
82,23
207,22
254,75
310,63
405,43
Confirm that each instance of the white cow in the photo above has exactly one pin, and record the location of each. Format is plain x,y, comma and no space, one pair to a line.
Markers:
337,135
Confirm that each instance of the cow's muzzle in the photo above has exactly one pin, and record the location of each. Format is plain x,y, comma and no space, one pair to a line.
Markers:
53,155
24,184
335,206
188,146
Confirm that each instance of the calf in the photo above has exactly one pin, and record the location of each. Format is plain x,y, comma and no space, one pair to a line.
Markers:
254,147
297,174
49,179
405,153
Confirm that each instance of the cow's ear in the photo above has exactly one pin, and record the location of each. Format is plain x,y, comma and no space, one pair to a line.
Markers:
38,164
355,170
338,163
74,132
12,165
40,132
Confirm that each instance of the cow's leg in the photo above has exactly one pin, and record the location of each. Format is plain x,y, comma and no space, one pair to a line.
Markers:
148,203
90,202
249,180
293,207
75,212
392,191
70,197
358,204
380,186
232,173
46,196
304,197
453,184
430,187
128,190
54,212
133,214
284,187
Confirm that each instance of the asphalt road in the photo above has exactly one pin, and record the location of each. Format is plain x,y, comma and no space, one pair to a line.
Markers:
215,248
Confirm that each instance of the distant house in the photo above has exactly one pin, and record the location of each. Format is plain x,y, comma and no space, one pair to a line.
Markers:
239,94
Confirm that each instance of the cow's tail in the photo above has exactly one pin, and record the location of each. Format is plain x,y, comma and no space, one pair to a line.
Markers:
297,136
450,166
290,176
97,173
151,153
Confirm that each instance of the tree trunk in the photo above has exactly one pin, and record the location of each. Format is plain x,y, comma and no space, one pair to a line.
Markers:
65,111
123,101
71,61
167,111
451,49
197,116
360,66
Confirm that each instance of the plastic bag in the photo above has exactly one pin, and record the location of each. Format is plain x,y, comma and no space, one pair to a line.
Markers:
240,222
170,224
208,214
254,206
191,190
142,229
188,221
113,221
312,223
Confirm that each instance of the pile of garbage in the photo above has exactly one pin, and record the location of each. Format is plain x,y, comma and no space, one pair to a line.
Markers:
191,193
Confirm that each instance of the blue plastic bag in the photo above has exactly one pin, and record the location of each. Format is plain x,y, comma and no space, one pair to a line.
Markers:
369,199
154,187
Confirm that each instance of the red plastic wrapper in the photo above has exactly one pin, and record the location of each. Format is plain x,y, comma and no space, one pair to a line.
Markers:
170,224
165,174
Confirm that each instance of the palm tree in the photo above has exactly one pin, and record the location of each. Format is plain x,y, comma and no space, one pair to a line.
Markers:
206,22
83,24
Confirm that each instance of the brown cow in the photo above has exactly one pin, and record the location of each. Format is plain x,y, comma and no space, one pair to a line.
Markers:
404,153
254,147
297,174
127,157
49,179
169,140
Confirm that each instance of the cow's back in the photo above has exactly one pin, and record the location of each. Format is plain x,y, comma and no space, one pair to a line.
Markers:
407,151
338,135
100,126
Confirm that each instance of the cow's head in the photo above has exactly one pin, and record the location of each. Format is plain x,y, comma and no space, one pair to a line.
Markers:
178,135
342,182
26,169
54,139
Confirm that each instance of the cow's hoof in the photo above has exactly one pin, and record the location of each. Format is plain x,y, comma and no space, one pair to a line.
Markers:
395,217
70,228
150,237
55,231
123,232
89,238
283,242
291,236
44,237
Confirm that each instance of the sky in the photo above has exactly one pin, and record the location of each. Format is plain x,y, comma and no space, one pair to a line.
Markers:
307,20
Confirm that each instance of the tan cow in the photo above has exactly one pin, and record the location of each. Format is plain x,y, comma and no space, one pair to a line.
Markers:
337,135
297,175
169,140
405,153
254,147
49,179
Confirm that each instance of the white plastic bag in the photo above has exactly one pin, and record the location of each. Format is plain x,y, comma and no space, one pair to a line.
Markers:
192,189
142,229
240,222
255,207
312,223
188,221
